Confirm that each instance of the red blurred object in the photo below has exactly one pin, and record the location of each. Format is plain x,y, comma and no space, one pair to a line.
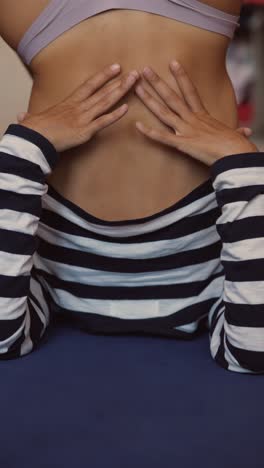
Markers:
254,2
246,113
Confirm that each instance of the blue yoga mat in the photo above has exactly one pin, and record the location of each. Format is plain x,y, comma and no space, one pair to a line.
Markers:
87,401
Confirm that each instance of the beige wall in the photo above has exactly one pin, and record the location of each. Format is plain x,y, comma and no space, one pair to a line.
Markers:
15,86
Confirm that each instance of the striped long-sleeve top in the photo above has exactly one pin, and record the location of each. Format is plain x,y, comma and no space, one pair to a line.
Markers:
197,266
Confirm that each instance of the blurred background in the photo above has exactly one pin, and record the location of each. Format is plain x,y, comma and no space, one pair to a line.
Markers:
245,65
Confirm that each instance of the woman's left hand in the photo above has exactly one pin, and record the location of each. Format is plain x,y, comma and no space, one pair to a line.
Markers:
192,129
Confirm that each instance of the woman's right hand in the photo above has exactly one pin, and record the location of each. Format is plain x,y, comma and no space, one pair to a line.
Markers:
81,115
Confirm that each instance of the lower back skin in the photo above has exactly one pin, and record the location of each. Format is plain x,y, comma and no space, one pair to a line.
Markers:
120,174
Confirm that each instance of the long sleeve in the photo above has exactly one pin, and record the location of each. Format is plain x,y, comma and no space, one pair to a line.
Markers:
26,157
236,322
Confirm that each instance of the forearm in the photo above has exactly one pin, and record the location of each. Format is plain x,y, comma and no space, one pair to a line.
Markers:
236,322
25,159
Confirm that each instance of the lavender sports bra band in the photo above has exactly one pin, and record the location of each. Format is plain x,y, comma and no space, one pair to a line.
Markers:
61,15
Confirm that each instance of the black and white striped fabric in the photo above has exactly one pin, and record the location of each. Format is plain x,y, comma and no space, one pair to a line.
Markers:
197,266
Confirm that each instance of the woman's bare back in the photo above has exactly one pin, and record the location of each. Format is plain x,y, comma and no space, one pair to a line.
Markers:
120,174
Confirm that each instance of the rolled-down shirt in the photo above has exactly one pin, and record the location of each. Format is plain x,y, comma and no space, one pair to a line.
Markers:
219,262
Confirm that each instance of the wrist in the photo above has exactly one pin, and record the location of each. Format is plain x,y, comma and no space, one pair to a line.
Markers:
241,148
33,136
41,130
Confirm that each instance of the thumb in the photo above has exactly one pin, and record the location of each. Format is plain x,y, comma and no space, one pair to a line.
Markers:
22,116
245,131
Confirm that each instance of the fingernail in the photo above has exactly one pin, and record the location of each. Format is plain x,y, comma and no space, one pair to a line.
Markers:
175,65
148,72
131,79
21,116
135,73
139,90
115,66
139,125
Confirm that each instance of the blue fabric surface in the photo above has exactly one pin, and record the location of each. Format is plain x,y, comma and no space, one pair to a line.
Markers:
127,401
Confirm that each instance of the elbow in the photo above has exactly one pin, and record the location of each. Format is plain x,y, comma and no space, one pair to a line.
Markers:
238,359
18,349
248,360
5,356
20,335
238,348
245,366
12,338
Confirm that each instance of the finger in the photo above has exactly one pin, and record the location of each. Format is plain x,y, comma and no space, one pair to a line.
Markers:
187,87
161,136
112,98
160,110
22,116
108,119
95,98
247,132
109,88
155,94
169,96
150,88
97,81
